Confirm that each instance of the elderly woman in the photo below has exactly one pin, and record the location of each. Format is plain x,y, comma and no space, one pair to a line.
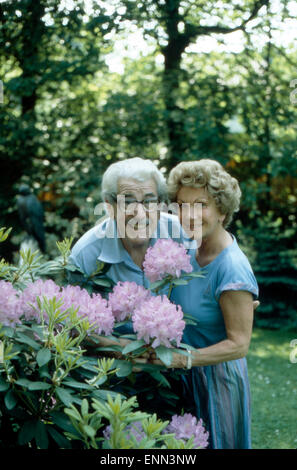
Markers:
216,388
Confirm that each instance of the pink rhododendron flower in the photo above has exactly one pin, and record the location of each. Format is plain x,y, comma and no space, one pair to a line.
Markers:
159,320
186,426
39,288
125,297
93,307
166,257
10,307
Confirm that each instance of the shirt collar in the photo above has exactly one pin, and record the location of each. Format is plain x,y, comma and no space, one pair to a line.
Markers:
113,251
112,248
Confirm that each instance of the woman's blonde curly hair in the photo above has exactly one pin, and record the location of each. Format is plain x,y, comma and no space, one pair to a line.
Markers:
209,174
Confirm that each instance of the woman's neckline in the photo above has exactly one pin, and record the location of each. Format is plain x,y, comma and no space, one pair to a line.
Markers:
217,257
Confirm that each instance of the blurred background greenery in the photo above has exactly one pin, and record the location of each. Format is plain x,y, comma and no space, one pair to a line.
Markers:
86,83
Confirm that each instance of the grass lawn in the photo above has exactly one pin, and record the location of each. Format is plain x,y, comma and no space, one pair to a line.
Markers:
273,380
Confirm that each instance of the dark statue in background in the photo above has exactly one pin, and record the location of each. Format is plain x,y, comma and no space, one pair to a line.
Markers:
31,216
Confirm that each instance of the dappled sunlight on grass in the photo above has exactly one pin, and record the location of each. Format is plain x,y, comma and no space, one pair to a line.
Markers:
273,381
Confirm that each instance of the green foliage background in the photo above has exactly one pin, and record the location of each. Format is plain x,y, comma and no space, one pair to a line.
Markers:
66,116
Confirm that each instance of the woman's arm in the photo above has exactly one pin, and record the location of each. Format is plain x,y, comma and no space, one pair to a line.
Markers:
237,309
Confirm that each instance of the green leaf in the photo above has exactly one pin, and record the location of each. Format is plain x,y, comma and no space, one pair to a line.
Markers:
3,385
124,368
41,437
133,346
114,347
61,420
62,442
43,357
72,268
64,396
75,384
8,331
89,430
23,382
10,400
84,407
164,354
102,394
158,284
196,274
4,234
33,385
187,346
102,282
27,432
179,282
39,386
95,421
22,338
123,323
149,367
77,400
73,413
164,392
43,372
160,378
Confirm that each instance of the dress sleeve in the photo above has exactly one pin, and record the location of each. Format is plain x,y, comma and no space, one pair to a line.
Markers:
236,274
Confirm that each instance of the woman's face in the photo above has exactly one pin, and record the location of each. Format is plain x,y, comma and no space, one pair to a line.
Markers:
198,212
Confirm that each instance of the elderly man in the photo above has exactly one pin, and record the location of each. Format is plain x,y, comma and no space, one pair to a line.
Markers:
132,191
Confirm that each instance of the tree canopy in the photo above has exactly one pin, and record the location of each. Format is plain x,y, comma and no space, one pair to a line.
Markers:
66,115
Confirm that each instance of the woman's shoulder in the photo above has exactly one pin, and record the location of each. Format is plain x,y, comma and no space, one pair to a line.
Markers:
233,256
234,271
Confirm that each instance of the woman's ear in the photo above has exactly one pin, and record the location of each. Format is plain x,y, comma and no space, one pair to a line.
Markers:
222,218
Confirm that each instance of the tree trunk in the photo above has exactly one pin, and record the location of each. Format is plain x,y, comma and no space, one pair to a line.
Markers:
172,53
17,161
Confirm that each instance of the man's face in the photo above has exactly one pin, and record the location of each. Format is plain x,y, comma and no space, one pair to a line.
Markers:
136,222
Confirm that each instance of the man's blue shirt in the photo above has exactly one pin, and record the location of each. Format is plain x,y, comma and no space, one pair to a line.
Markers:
98,245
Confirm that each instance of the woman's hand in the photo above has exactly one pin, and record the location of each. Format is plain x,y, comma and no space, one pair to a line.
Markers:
104,342
256,304
237,308
179,361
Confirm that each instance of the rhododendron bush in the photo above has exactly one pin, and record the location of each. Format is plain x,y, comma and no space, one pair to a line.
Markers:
54,369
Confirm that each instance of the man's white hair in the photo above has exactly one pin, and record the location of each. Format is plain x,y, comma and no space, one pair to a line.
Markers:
139,169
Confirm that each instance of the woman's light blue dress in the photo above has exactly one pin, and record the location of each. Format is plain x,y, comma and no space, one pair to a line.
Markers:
219,394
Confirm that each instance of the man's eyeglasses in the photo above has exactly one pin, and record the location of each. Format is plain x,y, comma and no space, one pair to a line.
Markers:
128,204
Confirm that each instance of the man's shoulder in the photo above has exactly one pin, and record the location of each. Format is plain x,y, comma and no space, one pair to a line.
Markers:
92,238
